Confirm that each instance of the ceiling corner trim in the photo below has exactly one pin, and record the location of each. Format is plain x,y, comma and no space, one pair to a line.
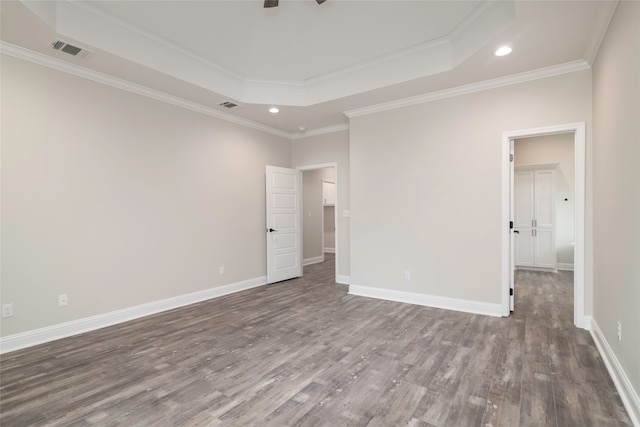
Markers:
513,79
320,131
601,30
85,73
103,31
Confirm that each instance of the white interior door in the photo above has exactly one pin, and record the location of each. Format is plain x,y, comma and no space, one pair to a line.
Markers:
284,231
512,265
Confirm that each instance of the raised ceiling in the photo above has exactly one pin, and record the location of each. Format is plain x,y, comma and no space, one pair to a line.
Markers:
313,61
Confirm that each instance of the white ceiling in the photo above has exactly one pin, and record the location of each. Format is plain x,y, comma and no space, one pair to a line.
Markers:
312,61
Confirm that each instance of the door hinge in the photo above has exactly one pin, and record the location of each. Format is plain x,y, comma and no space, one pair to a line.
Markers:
510,225
510,292
511,157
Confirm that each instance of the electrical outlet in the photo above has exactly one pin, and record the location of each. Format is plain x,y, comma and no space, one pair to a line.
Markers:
407,275
221,270
62,300
7,310
619,331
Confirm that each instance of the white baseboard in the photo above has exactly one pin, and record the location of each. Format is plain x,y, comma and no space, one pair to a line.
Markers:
329,250
343,280
428,300
585,323
565,266
314,260
67,329
625,389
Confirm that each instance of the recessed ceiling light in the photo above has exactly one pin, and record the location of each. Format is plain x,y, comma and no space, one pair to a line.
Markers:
274,110
504,50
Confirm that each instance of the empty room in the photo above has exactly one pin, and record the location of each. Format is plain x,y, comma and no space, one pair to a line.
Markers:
320,213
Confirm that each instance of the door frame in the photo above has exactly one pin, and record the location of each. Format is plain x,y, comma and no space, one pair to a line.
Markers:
578,130
334,213
333,165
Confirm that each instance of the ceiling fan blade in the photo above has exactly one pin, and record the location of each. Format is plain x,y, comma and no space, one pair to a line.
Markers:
320,1
271,3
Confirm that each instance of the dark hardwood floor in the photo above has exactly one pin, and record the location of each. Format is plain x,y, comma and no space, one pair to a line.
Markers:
304,352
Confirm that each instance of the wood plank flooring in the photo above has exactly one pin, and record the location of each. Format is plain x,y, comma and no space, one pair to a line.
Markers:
304,352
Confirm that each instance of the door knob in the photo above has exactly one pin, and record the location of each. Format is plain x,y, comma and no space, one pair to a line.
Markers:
271,230
516,231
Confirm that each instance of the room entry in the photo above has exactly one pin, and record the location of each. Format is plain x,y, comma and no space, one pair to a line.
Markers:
320,225
544,224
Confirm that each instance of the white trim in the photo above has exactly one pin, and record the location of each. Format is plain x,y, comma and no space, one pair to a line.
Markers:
313,260
466,306
87,324
342,279
85,73
329,250
566,266
600,30
578,129
320,131
531,268
623,384
513,79
102,30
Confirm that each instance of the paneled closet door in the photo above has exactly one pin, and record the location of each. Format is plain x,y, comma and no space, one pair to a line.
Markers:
534,192
523,212
545,246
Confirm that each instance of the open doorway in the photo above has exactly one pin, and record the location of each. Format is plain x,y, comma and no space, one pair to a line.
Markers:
319,214
543,219
575,132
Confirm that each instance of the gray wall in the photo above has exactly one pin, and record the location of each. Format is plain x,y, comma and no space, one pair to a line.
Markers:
616,216
118,200
331,148
426,186
556,149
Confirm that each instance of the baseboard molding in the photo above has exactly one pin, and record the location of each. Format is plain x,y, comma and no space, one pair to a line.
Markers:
314,260
625,389
565,266
542,269
75,327
343,280
329,250
585,323
428,300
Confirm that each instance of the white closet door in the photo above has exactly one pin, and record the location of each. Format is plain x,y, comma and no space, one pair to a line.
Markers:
534,216
524,210
545,252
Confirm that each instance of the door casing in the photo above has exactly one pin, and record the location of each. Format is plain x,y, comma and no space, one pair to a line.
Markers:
333,165
578,130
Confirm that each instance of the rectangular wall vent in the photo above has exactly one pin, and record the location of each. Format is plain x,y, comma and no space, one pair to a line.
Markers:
76,51
228,104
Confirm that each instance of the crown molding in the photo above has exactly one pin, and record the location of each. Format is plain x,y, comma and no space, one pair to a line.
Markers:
103,31
85,73
320,131
513,79
601,30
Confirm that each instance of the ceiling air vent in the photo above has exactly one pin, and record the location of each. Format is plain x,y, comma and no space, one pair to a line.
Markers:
228,104
71,49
